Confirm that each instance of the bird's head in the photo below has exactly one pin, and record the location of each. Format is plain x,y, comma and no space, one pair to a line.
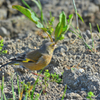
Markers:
48,48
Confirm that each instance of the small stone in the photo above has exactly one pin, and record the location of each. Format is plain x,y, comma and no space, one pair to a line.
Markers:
69,34
3,32
73,96
99,95
93,8
97,2
81,70
84,35
3,13
88,33
1,2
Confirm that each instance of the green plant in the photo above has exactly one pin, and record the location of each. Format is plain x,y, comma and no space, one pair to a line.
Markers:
93,47
61,28
98,28
12,88
90,95
3,97
64,92
52,77
21,89
77,15
78,32
46,78
1,47
18,86
55,78
31,88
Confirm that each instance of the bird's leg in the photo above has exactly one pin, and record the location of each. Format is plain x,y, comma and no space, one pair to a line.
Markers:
37,74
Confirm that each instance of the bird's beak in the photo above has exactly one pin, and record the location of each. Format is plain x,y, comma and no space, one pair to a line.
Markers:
55,46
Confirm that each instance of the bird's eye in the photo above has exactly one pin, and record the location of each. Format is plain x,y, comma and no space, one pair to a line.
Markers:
53,45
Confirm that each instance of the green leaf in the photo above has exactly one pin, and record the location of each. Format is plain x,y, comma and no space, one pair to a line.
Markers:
65,28
60,26
0,48
70,16
37,96
4,51
80,17
28,14
1,41
69,22
61,37
88,97
1,45
90,93
98,28
39,25
40,8
62,19
57,30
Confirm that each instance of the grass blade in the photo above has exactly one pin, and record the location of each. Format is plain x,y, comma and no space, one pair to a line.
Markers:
38,3
64,92
18,85
98,28
13,88
35,84
2,87
76,14
80,17
91,35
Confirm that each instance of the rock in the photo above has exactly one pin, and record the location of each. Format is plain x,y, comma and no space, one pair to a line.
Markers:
84,35
3,13
69,34
83,93
3,32
76,79
88,33
10,9
7,24
1,2
73,96
98,15
57,71
60,49
98,96
93,8
97,2
87,13
70,77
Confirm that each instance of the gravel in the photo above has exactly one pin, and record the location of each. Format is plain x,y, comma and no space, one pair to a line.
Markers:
81,67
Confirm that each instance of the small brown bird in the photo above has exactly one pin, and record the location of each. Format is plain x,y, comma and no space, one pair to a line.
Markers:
37,59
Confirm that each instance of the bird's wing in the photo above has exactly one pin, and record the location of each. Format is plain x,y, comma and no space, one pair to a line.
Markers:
34,55
29,57
19,58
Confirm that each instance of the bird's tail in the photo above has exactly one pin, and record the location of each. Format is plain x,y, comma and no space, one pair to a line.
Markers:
10,63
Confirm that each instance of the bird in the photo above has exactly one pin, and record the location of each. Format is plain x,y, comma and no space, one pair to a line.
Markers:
37,59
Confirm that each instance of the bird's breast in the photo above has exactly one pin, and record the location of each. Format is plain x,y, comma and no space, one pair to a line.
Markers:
43,62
